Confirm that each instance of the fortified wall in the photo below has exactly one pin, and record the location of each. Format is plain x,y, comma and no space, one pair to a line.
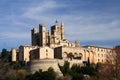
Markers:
44,64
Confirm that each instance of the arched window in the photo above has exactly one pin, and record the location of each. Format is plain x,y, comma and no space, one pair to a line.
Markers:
75,55
64,55
80,55
70,56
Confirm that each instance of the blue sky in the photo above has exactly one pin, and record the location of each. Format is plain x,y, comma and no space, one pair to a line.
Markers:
93,22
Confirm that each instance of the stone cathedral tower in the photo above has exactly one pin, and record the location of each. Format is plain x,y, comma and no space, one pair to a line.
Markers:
42,35
57,33
34,37
50,38
39,38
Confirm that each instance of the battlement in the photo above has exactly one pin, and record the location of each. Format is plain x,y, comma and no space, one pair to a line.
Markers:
43,38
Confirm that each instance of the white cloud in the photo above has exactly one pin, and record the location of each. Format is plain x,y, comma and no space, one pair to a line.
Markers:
40,11
92,30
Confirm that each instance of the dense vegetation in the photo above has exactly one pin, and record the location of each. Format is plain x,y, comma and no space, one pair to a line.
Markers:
16,71
77,72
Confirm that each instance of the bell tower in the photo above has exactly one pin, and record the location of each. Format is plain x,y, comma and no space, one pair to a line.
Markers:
77,43
34,37
42,35
62,31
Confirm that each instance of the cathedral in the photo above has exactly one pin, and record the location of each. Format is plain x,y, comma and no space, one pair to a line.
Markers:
52,45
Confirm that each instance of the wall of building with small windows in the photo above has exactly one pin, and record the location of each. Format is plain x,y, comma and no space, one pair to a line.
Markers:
46,53
24,52
101,54
42,53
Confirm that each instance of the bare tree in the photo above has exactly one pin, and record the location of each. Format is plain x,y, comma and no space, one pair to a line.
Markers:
117,62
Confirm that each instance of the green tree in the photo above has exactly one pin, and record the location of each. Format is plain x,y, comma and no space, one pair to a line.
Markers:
49,75
42,75
89,69
75,72
117,62
65,68
88,63
5,55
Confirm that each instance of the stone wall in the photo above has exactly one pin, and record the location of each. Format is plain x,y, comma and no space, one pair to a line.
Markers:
44,64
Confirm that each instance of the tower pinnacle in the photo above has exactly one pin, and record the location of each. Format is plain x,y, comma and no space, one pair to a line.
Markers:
56,22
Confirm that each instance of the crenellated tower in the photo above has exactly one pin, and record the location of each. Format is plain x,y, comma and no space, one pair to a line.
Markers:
53,38
34,37
58,31
77,43
62,31
42,35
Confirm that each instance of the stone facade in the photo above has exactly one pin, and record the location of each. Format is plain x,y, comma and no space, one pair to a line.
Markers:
53,45
24,52
14,54
42,53
44,64
53,38
102,54
27,53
